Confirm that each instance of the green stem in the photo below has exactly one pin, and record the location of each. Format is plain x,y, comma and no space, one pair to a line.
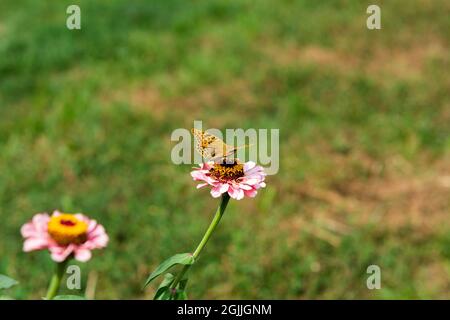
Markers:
219,213
56,280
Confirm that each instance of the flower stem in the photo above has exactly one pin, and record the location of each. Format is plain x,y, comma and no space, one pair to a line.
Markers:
56,280
219,213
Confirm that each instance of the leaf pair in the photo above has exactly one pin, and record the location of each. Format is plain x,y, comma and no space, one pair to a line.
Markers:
165,290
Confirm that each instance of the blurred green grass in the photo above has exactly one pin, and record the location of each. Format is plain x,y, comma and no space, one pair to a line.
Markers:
86,117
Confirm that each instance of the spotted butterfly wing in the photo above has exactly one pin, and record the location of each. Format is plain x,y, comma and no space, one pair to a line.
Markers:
211,147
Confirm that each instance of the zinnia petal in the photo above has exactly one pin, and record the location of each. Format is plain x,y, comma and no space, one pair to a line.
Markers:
250,193
60,253
249,165
83,255
219,189
32,244
201,185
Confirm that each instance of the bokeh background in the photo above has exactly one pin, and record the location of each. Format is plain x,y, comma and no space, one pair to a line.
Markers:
86,118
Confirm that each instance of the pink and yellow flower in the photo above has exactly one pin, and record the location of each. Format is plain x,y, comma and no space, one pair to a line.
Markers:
64,235
238,179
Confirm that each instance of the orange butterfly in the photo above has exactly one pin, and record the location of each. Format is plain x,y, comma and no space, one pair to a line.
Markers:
212,148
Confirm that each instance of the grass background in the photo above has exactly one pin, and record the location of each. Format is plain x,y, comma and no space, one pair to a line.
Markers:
86,118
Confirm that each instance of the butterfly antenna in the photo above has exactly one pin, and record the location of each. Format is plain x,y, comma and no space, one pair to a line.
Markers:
244,146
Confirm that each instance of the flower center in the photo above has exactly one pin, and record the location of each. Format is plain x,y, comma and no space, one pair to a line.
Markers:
227,171
66,229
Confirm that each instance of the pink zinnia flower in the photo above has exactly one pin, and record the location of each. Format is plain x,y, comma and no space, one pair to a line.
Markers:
64,235
237,179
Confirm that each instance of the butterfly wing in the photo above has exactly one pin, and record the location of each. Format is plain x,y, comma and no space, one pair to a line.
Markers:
202,143
220,150
210,146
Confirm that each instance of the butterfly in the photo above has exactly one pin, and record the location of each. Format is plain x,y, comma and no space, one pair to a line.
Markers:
212,148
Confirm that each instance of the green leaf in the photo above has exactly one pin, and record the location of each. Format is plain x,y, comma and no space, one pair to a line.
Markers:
5,298
165,294
69,297
181,258
181,290
180,295
164,286
183,283
168,293
6,282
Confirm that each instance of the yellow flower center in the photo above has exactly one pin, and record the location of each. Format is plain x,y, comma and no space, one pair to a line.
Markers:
66,229
227,171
